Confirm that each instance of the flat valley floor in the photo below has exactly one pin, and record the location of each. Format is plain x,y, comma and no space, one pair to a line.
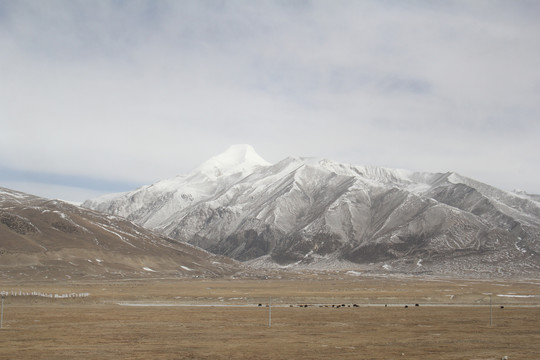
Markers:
313,316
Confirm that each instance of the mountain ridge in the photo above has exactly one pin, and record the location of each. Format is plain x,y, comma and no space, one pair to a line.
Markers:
305,211
51,239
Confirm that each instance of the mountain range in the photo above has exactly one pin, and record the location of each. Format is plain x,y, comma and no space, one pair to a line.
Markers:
43,239
306,212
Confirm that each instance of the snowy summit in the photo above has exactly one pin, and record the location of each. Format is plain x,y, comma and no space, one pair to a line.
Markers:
240,158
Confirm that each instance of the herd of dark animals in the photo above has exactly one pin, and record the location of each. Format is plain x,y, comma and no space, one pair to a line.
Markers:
344,305
341,305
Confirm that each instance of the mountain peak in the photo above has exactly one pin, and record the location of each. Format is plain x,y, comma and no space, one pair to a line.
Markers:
237,158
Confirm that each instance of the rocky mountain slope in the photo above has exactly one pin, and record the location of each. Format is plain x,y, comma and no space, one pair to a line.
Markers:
316,212
51,239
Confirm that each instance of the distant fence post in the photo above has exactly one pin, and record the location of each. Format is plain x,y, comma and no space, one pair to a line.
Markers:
2,312
490,312
270,312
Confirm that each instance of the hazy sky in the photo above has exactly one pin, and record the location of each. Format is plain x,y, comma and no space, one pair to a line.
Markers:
105,96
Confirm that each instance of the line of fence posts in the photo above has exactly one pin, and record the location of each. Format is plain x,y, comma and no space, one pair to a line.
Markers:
45,295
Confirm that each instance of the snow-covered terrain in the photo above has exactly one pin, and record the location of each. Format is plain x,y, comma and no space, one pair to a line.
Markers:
310,212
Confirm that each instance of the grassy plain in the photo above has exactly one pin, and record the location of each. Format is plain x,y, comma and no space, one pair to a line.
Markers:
221,319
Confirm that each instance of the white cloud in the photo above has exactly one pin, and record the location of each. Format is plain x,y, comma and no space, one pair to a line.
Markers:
51,191
144,90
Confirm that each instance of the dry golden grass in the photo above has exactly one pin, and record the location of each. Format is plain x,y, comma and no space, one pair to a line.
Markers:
98,328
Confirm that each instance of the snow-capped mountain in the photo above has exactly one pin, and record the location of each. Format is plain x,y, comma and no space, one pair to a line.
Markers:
50,239
316,211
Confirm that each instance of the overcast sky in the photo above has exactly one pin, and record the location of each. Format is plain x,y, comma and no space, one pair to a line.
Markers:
106,96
